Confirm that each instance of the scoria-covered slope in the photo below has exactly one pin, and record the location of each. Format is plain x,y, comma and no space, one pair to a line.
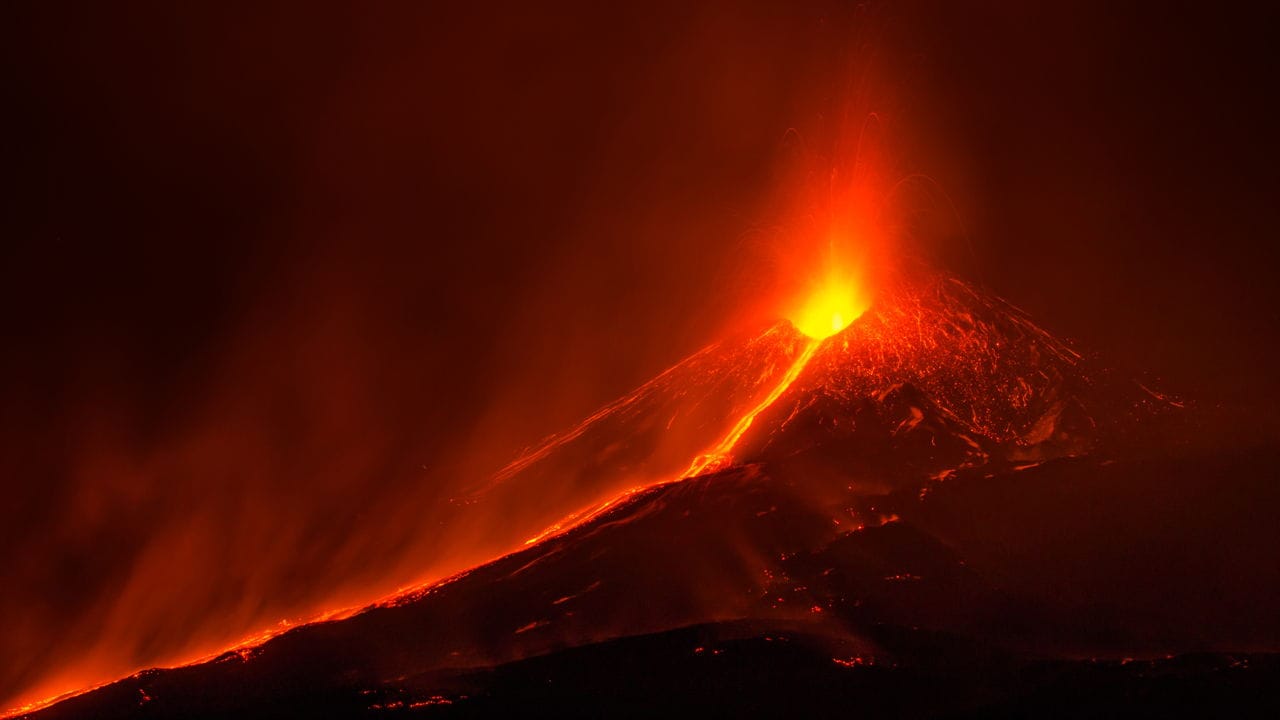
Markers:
939,376
937,488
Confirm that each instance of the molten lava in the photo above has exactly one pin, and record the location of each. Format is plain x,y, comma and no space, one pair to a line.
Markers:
720,456
832,302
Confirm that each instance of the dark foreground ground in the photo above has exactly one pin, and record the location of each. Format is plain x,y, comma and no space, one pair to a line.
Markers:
950,611
738,670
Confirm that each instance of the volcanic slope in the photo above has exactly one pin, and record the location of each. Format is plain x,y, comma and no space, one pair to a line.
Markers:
941,489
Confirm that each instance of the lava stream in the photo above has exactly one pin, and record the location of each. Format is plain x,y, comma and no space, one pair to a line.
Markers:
715,459
720,456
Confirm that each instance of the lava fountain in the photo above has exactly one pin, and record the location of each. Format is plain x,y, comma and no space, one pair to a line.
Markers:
837,296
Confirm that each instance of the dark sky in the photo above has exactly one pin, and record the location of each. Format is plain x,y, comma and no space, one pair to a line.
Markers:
304,258
1124,161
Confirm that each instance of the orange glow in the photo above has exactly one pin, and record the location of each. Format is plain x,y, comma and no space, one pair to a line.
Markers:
832,301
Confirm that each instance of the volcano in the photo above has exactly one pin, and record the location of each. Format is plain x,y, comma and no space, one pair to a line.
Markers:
938,509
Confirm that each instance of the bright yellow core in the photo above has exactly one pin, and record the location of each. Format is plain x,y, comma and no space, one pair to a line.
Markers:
830,307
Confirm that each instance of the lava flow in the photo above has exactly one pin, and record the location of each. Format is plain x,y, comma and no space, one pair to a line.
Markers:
838,495
831,309
836,302
721,456
832,306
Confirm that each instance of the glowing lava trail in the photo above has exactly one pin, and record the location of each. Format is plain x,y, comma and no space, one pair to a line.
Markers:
719,456
715,459
834,302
